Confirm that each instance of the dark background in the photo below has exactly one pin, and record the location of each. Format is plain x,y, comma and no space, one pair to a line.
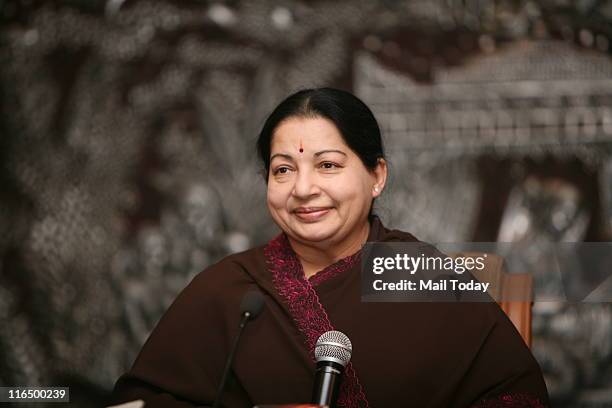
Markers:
127,133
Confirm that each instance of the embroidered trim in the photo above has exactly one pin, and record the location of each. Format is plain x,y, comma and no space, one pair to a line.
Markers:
335,269
511,401
306,309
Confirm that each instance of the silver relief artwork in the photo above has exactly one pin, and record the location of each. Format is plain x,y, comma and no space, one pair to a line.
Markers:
127,134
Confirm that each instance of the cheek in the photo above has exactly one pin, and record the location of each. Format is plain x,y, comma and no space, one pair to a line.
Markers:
344,195
276,197
349,189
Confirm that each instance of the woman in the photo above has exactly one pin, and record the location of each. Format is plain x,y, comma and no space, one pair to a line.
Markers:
324,164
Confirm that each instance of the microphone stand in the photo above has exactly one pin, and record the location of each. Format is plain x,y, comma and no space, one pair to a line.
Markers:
230,359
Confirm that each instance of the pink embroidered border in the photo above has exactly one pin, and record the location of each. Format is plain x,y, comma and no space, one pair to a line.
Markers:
306,309
335,269
511,401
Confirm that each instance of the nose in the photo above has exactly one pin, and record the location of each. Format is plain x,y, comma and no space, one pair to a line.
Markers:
305,185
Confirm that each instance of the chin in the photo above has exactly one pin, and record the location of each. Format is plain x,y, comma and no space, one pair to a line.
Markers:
314,238
314,232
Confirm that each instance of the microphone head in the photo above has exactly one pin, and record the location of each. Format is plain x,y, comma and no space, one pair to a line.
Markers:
334,346
252,302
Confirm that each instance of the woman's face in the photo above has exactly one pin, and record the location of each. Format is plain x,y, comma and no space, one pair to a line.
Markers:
319,191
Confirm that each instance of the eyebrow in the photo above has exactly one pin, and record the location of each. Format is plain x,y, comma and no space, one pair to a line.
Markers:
317,154
286,156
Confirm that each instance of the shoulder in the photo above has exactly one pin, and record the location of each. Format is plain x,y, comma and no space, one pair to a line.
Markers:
399,239
225,279
380,233
229,270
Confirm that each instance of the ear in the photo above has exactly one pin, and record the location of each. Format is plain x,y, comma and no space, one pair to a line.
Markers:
380,177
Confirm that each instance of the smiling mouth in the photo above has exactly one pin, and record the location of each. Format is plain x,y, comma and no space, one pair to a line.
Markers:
311,214
307,210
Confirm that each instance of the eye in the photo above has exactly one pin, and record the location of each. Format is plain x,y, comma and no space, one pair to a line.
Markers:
328,165
281,170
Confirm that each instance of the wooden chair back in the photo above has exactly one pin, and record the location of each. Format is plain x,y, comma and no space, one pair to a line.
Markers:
510,290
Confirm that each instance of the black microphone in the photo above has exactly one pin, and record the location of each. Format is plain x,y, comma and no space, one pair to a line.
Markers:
332,353
250,307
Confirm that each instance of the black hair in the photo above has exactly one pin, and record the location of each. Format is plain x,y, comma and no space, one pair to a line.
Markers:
354,120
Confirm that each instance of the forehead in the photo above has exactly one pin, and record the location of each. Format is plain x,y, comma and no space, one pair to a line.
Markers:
311,133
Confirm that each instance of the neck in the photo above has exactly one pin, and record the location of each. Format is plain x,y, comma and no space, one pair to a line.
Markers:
317,256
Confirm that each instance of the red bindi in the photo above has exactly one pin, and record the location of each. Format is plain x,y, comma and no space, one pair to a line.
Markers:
301,148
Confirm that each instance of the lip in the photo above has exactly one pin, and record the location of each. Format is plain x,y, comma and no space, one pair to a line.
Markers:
311,214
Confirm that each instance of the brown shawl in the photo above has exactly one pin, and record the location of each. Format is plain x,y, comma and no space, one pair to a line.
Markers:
404,354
